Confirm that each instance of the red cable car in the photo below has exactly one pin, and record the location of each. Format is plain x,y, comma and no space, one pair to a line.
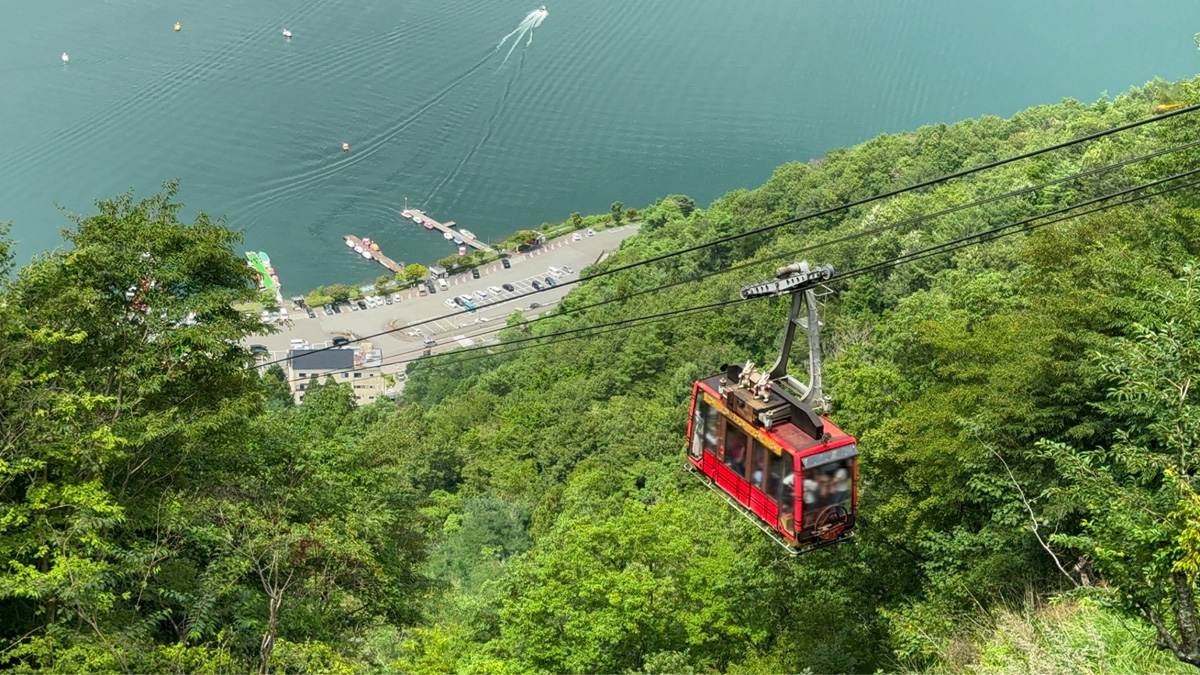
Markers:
755,436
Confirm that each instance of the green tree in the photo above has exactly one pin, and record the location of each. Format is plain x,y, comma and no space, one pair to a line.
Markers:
268,300
113,410
415,272
279,394
339,292
1142,511
575,220
383,282
618,209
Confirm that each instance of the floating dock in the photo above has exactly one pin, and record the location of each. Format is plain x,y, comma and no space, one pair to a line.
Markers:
369,249
414,214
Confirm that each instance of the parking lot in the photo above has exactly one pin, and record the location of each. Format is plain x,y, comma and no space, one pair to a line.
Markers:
414,316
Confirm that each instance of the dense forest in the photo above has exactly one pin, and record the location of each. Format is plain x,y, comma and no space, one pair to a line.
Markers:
1024,411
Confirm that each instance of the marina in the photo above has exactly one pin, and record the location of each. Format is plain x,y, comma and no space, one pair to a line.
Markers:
370,250
458,236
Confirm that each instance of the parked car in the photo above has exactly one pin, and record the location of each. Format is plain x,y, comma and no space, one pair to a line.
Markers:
339,341
429,342
591,232
337,309
397,297
462,300
429,285
568,269
482,295
469,305
354,305
506,263
259,350
537,285
474,272
362,305
297,343
328,310
534,305
494,290
266,317
422,291
576,237
554,272
387,299
444,284
509,287
452,303
311,313
551,282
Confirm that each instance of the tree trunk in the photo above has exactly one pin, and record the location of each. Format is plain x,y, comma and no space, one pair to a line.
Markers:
1186,621
268,642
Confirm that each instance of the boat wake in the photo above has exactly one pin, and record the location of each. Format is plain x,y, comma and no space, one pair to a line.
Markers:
531,21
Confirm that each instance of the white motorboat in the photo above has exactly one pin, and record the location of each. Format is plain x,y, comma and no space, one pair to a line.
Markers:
287,33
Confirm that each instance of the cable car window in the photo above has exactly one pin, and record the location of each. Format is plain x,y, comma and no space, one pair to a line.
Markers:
735,449
774,476
758,464
704,429
827,486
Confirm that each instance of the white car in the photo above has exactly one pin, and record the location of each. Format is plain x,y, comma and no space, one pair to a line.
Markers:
591,232
266,316
451,304
576,237
494,290
568,269
482,295
555,272
283,314
396,297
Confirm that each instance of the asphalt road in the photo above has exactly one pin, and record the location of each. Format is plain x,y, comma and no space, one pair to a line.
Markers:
464,328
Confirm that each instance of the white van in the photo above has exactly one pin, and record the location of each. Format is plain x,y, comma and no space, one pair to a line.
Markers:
443,284
555,272
299,344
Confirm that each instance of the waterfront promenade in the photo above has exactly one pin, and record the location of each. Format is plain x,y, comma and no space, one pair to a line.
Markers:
414,308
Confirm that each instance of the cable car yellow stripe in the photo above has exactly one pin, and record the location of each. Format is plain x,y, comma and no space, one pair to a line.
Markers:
758,434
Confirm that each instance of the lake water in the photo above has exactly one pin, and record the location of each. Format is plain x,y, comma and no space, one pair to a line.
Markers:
616,100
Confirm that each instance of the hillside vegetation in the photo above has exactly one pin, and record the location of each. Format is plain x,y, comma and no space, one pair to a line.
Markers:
1023,409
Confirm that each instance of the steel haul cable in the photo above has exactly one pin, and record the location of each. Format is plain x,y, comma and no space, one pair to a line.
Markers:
1025,225
835,209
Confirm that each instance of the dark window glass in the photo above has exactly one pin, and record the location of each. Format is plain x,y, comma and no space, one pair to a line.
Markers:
774,476
758,464
735,449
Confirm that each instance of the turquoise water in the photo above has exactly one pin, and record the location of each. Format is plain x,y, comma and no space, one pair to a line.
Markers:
615,100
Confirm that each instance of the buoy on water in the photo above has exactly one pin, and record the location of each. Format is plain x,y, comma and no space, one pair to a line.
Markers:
178,27
65,57
345,146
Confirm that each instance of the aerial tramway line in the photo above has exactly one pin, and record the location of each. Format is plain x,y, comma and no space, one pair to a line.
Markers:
754,435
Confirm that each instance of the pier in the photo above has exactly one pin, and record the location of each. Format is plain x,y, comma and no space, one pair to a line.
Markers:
413,214
375,254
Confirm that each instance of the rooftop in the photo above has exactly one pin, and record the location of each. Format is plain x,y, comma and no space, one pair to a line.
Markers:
321,359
